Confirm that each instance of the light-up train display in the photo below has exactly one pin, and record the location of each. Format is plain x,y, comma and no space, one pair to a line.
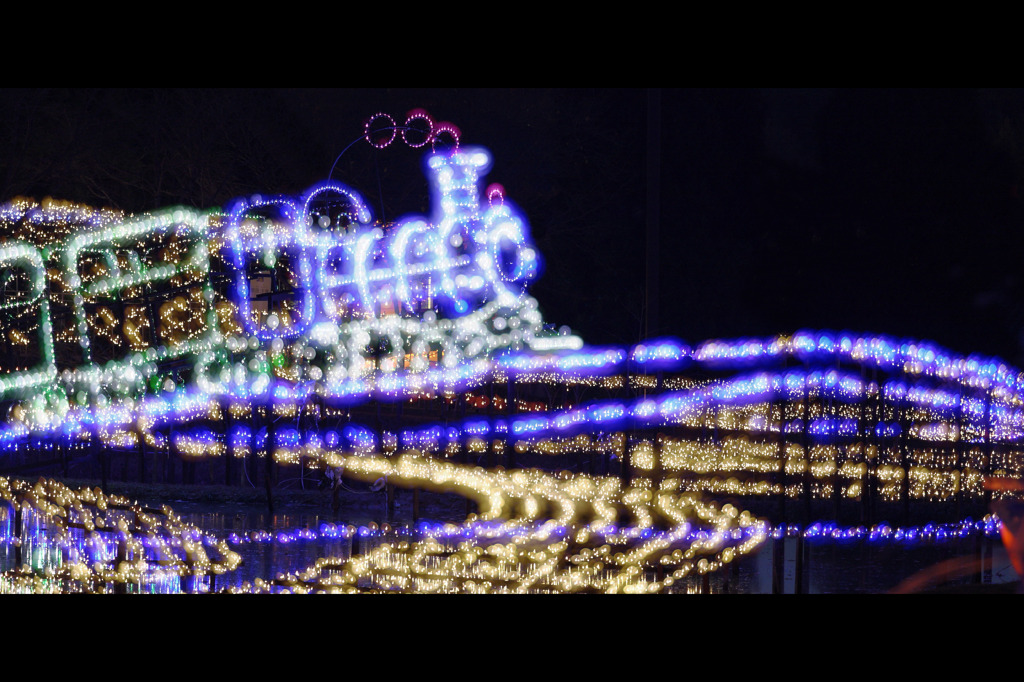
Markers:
471,264
177,329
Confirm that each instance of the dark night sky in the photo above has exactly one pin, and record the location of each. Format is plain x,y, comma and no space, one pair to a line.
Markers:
888,211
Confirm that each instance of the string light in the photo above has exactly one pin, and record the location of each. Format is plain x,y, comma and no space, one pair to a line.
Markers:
436,308
86,541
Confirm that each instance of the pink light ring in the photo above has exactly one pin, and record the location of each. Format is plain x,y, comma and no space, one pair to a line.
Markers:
451,129
295,240
362,213
495,194
422,115
393,128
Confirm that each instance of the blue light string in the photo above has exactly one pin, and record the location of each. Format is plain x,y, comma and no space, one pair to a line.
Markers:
822,532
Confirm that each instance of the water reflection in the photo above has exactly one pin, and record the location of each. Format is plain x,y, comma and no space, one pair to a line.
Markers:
32,560
305,550
54,539
273,545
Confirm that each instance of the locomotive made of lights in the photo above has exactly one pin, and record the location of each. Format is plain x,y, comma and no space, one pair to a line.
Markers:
360,310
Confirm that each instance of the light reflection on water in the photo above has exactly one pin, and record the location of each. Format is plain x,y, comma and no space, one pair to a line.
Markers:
830,568
266,558
852,567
